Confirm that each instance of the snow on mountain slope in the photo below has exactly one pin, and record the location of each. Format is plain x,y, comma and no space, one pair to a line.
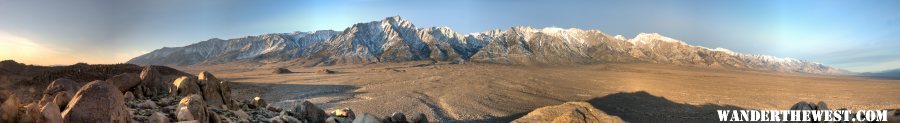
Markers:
394,39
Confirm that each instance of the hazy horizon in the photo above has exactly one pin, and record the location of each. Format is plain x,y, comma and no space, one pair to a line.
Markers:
855,35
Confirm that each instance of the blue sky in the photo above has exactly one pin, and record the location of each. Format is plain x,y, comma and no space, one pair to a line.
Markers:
858,35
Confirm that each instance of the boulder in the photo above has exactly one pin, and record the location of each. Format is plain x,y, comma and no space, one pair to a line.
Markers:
345,112
186,85
241,115
32,113
325,71
366,118
128,96
98,101
286,118
138,92
213,117
206,76
339,120
192,108
10,109
62,85
237,105
47,98
57,87
305,110
158,117
821,106
396,117
282,71
273,108
212,94
418,118
803,105
125,81
258,102
225,88
211,90
893,115
61,100
153,83
50,114
147,104
570,112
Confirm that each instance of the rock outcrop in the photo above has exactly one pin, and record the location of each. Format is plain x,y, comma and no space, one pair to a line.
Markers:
396,117
62,99
282,71
128,96
367,118
62,85
803,105
258,102
97,101
186,85
32,113
570,112
192,108
212,91
152,83
225,91
306,111
345,112
50,113
59,92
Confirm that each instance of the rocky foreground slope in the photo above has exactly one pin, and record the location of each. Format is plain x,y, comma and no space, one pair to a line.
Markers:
394,39
158,94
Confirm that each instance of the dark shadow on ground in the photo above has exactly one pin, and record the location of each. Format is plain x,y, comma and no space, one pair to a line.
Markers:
883,77
641,107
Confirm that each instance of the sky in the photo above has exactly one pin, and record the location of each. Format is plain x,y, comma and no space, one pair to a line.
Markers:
856,35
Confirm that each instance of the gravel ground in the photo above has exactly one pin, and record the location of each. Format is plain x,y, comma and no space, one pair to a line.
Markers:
495,93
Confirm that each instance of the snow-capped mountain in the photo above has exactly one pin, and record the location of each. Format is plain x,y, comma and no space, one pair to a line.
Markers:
394,39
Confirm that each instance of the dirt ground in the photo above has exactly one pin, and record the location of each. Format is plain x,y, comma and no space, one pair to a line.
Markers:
497,93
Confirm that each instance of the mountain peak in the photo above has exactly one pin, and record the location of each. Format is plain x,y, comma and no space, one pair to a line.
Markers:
651,37
395,18
397,21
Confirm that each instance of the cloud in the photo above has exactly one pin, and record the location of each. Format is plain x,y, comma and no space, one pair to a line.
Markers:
22,49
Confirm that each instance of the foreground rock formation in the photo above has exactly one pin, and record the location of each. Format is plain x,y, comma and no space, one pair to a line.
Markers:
29,82
150,96
570,112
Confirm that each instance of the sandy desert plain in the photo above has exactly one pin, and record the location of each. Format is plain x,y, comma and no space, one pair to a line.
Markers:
481,92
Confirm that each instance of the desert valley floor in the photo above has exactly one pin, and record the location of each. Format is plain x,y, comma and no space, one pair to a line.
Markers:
494,93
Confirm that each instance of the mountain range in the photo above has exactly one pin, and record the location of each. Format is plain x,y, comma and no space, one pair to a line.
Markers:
394,39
